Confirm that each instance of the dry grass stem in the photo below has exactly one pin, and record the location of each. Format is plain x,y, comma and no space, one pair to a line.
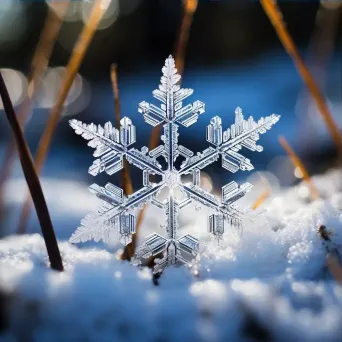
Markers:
265,194
126,180
32,180
114,79
273,12
334,267
72,68
261,199
190,7
40,62
320,50
296,162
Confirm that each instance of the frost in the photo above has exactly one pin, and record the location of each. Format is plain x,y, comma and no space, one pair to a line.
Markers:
112,145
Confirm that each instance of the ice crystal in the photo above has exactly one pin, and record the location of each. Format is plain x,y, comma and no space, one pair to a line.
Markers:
112,145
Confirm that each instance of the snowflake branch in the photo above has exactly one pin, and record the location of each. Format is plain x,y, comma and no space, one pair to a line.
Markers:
261,127
232,214
199,161
142,196
143,162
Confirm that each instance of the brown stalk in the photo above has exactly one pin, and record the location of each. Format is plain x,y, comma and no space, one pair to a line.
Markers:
72,68
126,181
320,50
296,162
334,267
117,103
32,180
323,39
273,12
264,195
39,65
260,200
190,7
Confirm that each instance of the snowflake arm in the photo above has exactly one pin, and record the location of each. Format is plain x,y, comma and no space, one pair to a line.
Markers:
201,196
112,214
170,139
229,212
142,196
172,217
153,115
105,140
171,96
110,144
246,132
200,160
243,133
169,251
143,161
110,217
188,115
95,227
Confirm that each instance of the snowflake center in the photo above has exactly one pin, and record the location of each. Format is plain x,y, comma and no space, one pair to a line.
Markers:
171,178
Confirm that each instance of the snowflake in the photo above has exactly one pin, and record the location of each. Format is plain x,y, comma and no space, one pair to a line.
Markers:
112,145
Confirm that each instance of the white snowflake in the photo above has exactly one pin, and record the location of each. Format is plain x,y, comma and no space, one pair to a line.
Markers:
112,145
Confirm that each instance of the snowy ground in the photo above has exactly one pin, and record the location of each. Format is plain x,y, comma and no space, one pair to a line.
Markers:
271,284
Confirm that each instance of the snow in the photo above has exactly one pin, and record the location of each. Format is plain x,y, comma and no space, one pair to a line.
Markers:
269,284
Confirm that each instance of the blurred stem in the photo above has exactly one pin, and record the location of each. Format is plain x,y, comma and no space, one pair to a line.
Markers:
190,7
334,267
72,68
265,194
320,50
261,199
33,182
296,162
114,79
126,181
274,14
40,62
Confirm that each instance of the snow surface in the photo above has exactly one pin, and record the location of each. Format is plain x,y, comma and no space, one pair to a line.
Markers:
270,284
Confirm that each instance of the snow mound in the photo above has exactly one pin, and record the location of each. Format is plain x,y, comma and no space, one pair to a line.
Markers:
271,284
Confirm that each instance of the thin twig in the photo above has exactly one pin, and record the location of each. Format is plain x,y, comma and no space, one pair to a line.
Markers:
72,68
334,267
32,180
296,162
190,7
320,50
39,65
126,180
114,79
261,199
265,194
273,12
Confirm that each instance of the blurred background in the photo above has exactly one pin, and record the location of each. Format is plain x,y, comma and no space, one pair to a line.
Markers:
233,58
